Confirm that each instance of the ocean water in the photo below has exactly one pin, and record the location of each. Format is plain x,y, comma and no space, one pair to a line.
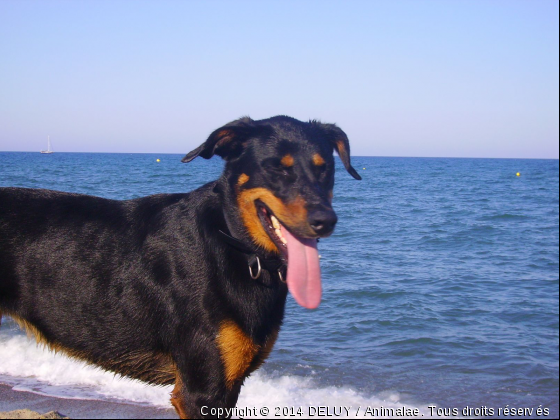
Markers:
441,287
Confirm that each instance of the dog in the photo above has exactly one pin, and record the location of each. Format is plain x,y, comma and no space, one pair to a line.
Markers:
184,289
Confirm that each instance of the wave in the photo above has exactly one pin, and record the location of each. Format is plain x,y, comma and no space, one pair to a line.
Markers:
28,367
505,216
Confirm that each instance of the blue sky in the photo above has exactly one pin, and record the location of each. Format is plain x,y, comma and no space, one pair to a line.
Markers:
401,78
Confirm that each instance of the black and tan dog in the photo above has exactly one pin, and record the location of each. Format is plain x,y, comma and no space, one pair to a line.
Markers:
184,289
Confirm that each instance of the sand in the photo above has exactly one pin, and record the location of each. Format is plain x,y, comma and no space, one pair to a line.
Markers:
28,414
11,401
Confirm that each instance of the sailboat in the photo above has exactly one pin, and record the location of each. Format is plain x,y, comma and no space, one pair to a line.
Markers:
49,150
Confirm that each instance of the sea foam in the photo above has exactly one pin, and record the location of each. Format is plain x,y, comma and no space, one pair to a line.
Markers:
28,367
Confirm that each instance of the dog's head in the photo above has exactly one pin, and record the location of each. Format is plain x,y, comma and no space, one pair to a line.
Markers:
281,172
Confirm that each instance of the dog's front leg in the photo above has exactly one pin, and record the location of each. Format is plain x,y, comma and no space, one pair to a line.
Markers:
180,402
203,399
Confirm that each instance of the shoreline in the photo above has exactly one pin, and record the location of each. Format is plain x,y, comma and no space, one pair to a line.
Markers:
11,400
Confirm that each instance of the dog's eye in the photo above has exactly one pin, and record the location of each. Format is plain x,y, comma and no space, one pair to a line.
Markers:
283,170
276,168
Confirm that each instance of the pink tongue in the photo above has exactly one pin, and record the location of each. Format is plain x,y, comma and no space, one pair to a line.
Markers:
304,273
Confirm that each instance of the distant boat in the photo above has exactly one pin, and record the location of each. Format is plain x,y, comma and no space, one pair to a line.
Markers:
49,150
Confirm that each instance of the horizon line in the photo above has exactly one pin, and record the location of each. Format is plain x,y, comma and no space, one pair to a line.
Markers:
353,156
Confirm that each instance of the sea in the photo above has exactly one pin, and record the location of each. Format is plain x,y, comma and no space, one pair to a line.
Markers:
440,282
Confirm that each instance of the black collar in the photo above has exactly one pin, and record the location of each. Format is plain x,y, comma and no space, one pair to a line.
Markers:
275,266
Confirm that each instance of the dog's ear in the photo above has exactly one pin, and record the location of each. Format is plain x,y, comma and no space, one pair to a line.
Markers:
227,141
340,143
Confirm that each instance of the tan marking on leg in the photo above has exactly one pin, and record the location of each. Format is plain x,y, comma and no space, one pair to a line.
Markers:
237,351
287,161
177,399
318,160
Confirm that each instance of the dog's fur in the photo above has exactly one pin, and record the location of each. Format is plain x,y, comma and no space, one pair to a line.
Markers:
147,288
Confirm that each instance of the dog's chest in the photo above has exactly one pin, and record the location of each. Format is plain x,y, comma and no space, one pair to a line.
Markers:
240,354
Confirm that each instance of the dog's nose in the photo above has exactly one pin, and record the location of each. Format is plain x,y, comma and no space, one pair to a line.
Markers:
323,221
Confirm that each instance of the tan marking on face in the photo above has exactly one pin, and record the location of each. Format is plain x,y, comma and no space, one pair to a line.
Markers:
318,160
292,215
287,161
243,179
331,196
237,351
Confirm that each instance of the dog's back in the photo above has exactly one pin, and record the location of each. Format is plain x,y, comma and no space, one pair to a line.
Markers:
85,275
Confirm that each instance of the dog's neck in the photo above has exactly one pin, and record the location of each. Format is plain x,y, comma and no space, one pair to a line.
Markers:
232,216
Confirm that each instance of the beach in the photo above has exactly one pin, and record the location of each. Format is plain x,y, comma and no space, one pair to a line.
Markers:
11,400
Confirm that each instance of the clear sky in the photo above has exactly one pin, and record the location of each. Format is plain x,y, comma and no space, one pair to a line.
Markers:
402,78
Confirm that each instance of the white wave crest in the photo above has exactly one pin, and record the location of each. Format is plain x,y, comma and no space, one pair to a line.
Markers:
28,367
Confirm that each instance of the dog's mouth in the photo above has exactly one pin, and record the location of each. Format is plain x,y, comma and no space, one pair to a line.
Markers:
299,254
273,228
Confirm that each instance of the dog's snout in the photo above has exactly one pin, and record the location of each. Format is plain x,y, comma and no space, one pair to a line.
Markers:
323,221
